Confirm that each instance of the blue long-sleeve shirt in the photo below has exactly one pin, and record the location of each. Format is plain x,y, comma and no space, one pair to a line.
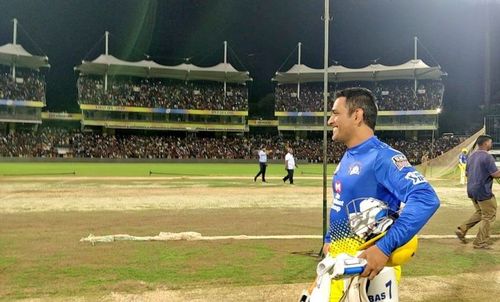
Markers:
372,169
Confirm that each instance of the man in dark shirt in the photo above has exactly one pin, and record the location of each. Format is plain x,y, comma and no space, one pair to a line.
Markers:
480,171
263,153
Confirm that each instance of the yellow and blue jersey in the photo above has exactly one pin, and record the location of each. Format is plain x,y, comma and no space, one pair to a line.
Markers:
462,159
372,169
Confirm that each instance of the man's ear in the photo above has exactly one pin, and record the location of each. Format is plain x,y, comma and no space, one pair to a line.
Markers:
359,113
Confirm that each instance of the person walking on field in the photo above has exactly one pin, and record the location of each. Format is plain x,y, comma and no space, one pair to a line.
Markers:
462,164
263,153
480,171
289,166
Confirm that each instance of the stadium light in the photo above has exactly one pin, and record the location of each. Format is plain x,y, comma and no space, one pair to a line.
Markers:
438,110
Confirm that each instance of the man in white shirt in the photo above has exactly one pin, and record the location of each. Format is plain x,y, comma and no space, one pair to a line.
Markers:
289,166
262,163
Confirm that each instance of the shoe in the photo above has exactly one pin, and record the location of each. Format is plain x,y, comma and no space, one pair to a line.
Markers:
254,179
460,235
264,181
284,180
483,246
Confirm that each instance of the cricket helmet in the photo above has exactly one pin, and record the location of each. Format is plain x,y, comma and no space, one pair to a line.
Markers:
370,219
404,253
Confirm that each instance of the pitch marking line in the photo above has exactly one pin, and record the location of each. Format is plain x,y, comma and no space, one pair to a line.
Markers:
194,236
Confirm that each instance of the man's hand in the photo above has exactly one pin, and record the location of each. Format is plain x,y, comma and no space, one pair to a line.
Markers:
376,261
326,248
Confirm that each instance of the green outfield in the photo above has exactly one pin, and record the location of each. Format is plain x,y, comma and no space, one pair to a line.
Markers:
143,169
43,215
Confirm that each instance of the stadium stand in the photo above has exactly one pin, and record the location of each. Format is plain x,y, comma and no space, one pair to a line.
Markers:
22,85
409,96
115,94
28,85
162,93
58,142
119,94
392,95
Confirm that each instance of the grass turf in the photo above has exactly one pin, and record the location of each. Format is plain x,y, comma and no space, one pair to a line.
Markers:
40,255
143,169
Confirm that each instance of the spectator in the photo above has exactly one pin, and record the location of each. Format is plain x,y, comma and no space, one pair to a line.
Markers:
394,95
156,93
28,85
48,141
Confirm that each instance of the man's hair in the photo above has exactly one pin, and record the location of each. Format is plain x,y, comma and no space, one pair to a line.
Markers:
482,139
361,98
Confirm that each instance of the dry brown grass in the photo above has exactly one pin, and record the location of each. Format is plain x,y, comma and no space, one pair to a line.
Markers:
44,219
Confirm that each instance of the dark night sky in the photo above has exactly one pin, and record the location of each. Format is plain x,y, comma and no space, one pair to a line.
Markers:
262,33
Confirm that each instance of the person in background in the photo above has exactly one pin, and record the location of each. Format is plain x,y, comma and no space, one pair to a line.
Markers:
289,165
462,163
263,153
480,171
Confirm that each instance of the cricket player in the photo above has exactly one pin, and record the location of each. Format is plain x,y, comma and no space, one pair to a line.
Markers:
372,169
462,164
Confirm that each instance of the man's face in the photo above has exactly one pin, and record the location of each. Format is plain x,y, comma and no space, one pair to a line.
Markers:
488,144
342,123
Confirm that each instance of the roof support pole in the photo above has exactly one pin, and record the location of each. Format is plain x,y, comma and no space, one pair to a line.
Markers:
415,49
14,34
14,41
325,104
106,34
225,66
298,62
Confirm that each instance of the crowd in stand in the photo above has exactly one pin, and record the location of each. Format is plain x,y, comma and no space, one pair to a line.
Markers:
397,95
158,93
415,150
401,95
27,86
308,99
50,142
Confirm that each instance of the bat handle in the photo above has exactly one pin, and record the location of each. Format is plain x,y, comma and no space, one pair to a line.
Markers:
354,270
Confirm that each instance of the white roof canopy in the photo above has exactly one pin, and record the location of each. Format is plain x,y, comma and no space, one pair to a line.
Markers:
413,69
110,65
15,54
